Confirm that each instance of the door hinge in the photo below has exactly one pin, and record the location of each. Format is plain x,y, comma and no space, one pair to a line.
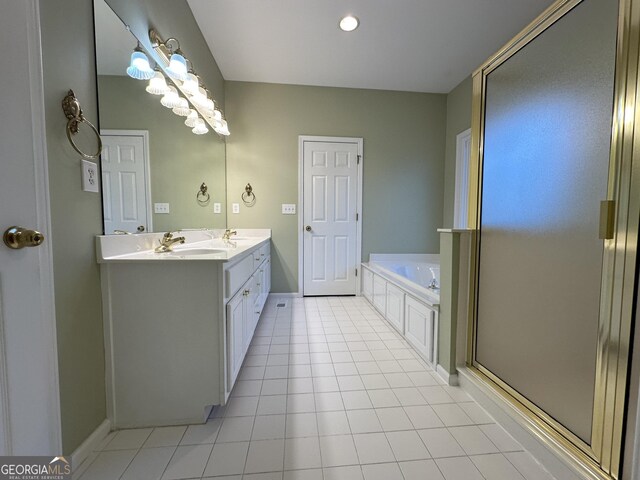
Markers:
356,272
359,158
357,217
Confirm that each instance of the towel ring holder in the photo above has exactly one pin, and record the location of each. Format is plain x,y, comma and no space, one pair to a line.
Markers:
203,196
73,111
248,197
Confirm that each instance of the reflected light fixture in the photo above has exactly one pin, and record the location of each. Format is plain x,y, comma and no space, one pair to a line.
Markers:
171,99
349,23
200,127
177,68
191,84
191,119
182,109
157,84
139,67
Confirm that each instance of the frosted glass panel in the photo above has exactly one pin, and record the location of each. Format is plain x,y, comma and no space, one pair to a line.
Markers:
546,157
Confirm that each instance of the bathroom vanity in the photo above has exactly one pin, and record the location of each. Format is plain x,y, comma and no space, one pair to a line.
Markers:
178,324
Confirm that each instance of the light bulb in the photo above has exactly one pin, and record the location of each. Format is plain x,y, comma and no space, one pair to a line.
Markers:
200,127
177,67
183,108
191,85
349,23
171,98
157,84
139,67
200,98
191,119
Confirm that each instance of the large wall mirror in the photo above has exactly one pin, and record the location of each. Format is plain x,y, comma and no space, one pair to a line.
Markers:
548,331
153,165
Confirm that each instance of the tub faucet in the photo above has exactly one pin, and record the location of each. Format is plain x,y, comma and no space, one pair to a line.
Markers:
433,285
167,243
227,234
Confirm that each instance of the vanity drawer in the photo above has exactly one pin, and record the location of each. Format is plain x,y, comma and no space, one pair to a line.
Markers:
238,274
261,254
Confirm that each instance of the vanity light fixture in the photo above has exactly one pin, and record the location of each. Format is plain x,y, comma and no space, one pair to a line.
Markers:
182,109
171,99
191,119
349,23
139,67
200,127
177,68
157,84
191,85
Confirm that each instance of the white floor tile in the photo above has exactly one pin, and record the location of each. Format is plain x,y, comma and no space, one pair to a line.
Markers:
314,474
268,427
301,425
241,407
452,415
109,465
500,438
423,416
149,464
382,471
246,388
198,434
407,445
398,380
129,439
338,450
265,456
496,467
302,453
435,394
235,429
300,385
383,398
328,401
277,386
373,448
188,461
301,403
528,466
441,443
458,468
345,369
277,371
325,384
393,418
375,381
420,470
350,382
227,459
343,473
472,440
477,414
409,396
363,421
333,423
357,399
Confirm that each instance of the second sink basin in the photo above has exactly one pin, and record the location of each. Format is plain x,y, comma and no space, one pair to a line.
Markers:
196,251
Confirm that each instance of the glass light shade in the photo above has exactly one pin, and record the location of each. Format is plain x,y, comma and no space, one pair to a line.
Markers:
171,98
200,127
177,67
191,85
191,119
208,107
224,128
139,67
183,108
217,115
157,84
200,98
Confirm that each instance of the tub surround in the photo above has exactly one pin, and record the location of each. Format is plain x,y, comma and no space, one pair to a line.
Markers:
411,308
178,325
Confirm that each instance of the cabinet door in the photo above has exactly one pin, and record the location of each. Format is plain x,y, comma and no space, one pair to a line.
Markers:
367,284
395,307
419,327
379,293
235,338
249,293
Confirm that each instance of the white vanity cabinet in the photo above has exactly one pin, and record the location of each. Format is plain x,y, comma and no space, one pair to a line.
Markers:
177,326
421,327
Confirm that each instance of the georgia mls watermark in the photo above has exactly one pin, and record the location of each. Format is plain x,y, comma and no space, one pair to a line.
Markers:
35,468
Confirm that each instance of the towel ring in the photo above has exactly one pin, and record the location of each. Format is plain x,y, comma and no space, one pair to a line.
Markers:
203,197
248,197
73,111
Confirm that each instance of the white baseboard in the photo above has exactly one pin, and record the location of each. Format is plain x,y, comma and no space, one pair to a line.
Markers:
91,443
449,378
287,295
560,465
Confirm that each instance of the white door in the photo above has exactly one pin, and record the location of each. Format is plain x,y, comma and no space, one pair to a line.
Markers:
330,191
125,180
29,400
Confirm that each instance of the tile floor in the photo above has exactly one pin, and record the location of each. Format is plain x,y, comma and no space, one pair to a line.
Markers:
328,391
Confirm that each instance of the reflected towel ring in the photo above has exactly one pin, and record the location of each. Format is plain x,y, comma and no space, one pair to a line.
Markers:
203,197
73,111
248,197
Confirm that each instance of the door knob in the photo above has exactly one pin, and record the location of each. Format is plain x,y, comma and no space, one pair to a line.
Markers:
140,228
20,237
308,228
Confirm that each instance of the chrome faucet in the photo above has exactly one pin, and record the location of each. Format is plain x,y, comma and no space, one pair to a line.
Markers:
167,243
227,234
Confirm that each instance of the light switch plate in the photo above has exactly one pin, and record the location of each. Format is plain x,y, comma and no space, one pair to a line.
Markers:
217,208
160,208
288,208
235,207
90,179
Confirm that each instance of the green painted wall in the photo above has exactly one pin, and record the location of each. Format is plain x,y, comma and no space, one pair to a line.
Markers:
68,56
180,161
404,151
173,18
458,120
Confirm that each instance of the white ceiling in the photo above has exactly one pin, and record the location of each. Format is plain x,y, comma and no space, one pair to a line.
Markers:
411,45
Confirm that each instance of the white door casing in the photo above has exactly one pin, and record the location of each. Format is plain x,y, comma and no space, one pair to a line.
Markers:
126,184
29,389
463,154
330,213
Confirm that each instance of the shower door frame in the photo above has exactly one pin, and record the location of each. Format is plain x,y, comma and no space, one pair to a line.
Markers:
601,459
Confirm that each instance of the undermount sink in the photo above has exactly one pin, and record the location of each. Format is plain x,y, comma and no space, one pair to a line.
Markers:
196,251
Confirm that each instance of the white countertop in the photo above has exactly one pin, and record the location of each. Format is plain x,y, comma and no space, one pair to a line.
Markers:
199,245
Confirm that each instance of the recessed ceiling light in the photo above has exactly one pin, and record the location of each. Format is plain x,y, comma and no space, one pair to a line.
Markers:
349,23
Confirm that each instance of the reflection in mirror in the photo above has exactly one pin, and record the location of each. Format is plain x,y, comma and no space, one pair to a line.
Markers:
153,166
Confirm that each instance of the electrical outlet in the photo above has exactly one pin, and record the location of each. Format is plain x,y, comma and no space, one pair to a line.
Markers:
160,208
90,180
235,207
217,208
288,208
